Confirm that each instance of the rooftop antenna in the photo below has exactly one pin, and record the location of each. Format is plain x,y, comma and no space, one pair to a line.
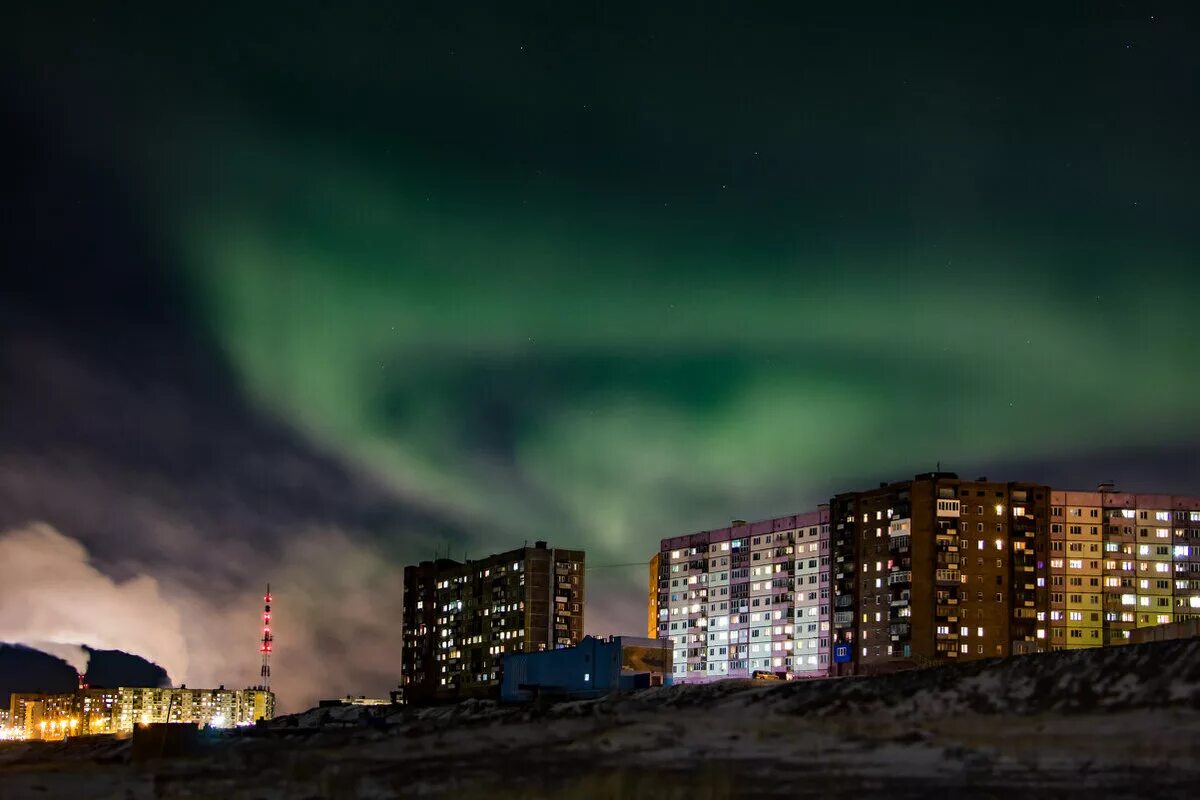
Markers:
267,640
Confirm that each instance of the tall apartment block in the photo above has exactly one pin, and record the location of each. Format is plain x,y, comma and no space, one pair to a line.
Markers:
751,597
938,569
652,598
931,570
461,617
1119,562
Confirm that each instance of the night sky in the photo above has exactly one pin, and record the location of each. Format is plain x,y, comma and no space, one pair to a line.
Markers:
301,294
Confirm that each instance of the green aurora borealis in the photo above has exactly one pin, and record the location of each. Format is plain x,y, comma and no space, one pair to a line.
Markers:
600,277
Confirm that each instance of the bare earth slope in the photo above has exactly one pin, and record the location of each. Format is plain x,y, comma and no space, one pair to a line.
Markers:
1118,722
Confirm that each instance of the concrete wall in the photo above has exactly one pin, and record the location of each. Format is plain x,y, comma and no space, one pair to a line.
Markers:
1161,633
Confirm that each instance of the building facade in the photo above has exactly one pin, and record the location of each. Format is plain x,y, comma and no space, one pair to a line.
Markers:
460,618
751,597
593,668
934,569
938,569
1120,562
652,598
90,711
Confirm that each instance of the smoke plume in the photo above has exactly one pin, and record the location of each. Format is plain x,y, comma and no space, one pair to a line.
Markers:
54,600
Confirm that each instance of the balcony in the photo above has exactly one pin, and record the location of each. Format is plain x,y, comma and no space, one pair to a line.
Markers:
900,629
945,576
900,578
949,613
948,508
843,617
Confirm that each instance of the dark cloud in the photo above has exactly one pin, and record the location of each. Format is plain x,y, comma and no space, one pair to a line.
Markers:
129,452
299,297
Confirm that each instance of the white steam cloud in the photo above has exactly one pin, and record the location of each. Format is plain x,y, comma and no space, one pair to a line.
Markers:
337,613
73,654
54,600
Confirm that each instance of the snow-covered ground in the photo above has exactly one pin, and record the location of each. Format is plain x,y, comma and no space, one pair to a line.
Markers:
1120,722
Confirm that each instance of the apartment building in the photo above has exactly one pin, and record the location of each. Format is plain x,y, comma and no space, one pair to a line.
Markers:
460,618
652,598
1120,562
934,569
117,710
746,598
938,569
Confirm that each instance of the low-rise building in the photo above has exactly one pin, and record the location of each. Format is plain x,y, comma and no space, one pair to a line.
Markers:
593,668
353,700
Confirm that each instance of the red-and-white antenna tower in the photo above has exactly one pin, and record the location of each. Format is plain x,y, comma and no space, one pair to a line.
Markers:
267,639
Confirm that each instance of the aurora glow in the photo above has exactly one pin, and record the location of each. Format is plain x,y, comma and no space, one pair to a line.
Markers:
599,277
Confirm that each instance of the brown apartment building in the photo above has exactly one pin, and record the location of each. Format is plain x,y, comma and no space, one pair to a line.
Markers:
461,617
939,569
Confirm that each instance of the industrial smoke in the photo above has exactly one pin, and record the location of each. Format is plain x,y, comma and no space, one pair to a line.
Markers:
54,600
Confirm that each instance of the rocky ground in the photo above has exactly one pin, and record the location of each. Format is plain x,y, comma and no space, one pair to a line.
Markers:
1119,722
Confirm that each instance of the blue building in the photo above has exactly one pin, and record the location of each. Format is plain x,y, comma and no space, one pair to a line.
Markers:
593,668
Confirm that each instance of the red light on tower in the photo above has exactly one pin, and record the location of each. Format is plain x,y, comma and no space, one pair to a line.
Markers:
267,639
